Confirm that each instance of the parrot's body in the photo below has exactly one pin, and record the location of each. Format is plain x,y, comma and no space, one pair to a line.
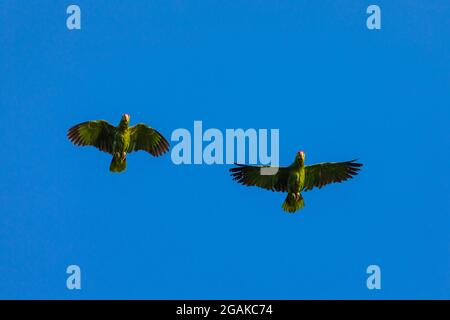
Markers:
118,141
295,178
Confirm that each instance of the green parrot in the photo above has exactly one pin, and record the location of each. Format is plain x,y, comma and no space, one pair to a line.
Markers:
118,141
295,178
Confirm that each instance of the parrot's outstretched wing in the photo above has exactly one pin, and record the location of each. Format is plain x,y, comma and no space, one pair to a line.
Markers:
99,134
142,137
321,174
251,176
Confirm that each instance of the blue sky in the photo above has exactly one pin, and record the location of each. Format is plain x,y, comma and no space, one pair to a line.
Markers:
160,231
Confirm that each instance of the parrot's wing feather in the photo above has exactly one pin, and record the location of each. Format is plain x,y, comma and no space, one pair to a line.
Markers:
99,134
252,176
144,138
325,173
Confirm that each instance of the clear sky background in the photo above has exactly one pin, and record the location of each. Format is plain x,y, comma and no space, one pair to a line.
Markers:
309,68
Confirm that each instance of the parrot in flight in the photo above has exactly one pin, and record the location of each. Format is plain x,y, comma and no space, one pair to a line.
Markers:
118,141
295,178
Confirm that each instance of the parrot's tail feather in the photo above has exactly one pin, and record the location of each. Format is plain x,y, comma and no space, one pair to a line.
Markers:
293,202
118,164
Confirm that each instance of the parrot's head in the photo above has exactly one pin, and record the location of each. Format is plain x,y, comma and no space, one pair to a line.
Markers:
125,121
126,118
300,157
